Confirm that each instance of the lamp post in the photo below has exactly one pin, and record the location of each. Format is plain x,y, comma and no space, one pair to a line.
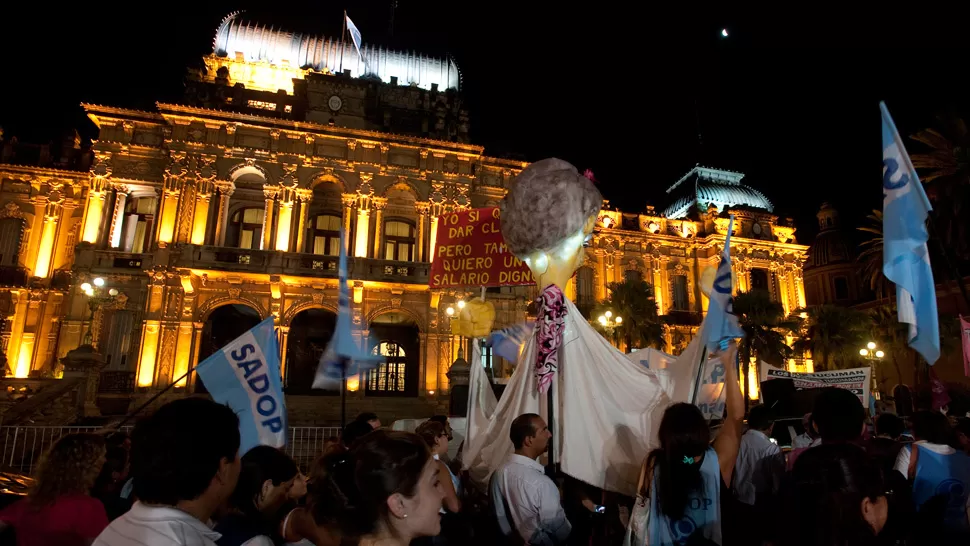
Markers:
98,294
872,354
610,323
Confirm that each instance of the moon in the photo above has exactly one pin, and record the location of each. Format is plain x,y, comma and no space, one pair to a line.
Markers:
724,32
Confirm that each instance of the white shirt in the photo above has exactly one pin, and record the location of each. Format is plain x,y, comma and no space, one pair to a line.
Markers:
803,440
146,525
522,492
759,468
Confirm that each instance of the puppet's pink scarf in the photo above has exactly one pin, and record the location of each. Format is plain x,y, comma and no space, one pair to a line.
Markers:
550,324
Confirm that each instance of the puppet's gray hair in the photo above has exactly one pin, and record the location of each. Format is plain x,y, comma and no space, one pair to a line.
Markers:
548,202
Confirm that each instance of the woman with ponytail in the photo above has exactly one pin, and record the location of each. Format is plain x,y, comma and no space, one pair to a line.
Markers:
384,491
681,482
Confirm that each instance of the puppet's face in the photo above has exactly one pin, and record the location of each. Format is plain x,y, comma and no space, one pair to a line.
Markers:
558,265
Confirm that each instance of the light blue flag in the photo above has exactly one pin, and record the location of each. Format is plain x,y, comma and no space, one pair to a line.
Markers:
245,375
507,343
905,258
354,34
342,358
722,325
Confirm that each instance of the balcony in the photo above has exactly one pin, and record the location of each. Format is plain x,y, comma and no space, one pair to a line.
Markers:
12,276
104,261
296,264
251,261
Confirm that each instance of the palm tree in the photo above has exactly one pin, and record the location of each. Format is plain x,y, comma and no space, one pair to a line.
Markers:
634,301
945,171
765,325
833,334
871,256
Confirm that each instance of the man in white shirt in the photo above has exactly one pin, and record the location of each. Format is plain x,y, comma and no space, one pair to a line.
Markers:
525,500
760,465
184,465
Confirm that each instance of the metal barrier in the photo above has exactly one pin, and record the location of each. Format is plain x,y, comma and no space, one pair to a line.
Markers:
22,447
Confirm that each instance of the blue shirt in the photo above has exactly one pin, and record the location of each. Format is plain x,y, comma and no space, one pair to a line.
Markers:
946,476
702,516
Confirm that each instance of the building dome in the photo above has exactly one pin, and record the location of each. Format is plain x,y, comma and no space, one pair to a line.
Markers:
237,38
831,246
702,187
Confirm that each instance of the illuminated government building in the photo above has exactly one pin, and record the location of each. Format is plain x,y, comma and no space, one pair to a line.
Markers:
205,217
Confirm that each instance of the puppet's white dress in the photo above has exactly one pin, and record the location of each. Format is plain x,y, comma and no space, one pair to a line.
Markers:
608,409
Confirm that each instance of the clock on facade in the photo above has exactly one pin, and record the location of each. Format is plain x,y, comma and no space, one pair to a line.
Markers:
335,103
756,229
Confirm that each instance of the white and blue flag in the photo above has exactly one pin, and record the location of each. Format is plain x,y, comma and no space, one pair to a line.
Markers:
245,375
722,323
354,34
905,258
342,358
507,343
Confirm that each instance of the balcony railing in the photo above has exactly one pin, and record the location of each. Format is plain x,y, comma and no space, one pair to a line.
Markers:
116,382
99,260
293,263
256,261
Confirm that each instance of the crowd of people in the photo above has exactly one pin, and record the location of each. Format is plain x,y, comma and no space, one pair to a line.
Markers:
179,479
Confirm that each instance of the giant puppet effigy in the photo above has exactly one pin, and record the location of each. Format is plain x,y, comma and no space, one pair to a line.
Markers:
605,407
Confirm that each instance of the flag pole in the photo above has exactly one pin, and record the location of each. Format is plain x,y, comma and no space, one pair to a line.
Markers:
153,398
343,33
343,392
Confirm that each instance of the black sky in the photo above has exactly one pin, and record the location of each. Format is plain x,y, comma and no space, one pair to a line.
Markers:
789,98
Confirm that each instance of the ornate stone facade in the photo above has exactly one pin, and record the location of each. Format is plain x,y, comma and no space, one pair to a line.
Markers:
203,219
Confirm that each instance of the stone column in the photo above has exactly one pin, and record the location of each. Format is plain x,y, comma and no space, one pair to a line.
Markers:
269,192
222,218
422,220
348,200
304,197
285,338
94,208
118,217
365,194
201,219
168,211
48,236
286,199
196,345
379,204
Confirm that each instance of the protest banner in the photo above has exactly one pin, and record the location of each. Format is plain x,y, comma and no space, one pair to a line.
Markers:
470,251
856,380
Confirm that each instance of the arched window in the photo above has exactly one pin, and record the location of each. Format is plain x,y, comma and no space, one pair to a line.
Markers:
246,229
398,241
325,235
136,231
389,376
681,298
585,297
759,279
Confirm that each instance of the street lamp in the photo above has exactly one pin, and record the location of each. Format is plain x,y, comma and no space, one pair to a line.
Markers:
610,323
871,353
97,296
